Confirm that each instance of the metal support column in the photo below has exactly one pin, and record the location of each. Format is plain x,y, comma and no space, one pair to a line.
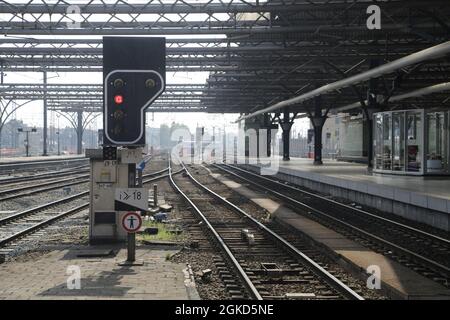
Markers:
286,125
27,143
192,149
267,124
372,106
79,131
318,125
44,129
213,142
224,146
257,144
318,120
235,152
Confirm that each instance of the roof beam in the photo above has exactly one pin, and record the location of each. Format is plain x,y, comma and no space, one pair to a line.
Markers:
424,55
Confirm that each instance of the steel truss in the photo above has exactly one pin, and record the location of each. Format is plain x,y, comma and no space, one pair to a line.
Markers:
257,53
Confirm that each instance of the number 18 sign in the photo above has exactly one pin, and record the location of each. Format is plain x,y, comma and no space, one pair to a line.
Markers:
131,199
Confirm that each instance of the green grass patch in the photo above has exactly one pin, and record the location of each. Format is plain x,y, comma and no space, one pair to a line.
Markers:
163,232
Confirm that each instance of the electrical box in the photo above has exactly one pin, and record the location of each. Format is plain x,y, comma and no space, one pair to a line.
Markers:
134,73
107,177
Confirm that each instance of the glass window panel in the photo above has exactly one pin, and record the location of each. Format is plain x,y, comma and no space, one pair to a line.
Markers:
387,142
398,152
378,147
414,142
436,150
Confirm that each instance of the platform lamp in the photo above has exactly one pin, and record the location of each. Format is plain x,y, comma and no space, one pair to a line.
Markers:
27,139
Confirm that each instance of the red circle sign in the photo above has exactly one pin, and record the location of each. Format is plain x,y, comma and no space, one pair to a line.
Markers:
131,222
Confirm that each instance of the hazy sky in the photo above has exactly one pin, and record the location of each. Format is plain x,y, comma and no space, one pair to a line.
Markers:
32,112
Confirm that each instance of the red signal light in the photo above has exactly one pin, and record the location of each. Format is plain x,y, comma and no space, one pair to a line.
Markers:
118,99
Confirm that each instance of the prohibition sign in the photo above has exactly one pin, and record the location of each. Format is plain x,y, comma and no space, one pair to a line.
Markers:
131,222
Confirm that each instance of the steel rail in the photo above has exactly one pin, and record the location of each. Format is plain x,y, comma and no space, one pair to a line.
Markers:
247,282
29,193
369,235
51,183
16,165
329,278
162,176
155,173
332,280
24,213
343,205
19,215
41,224
45,175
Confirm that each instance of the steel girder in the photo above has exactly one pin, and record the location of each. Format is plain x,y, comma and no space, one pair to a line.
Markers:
187,17
272,50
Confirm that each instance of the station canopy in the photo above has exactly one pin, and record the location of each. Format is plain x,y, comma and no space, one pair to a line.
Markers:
256,53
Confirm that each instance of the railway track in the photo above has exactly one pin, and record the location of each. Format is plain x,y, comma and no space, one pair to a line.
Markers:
268,267
43,176
22,224
424,252
28,190
17,192
7,168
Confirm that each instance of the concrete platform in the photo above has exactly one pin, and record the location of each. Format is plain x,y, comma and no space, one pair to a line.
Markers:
397,281
46,277
422,199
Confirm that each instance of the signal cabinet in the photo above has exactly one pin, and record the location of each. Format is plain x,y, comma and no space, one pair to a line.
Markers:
106,177
134,76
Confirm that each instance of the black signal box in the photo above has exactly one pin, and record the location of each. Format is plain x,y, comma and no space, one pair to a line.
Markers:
134,75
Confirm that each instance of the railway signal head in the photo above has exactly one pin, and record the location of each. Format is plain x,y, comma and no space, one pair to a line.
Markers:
134,76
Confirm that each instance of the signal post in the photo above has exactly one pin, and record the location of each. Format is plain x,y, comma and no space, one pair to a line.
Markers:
133,77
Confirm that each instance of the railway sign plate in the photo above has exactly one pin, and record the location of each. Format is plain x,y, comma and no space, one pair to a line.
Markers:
131,199
131,222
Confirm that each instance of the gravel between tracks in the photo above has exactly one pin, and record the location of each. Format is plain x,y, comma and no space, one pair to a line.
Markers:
204,177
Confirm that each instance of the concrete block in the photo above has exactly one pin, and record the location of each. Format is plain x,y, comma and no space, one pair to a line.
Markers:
400,209
442,221
352,195
342,183
412,212
387,205
419,200
437,204
381,191
402,196
357,186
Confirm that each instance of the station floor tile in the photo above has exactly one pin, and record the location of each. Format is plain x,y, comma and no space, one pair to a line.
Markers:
52,275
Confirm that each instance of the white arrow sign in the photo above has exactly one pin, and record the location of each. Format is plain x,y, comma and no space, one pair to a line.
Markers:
136,198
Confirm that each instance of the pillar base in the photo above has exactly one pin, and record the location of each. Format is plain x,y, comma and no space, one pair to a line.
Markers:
318,162
286,158
127,263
